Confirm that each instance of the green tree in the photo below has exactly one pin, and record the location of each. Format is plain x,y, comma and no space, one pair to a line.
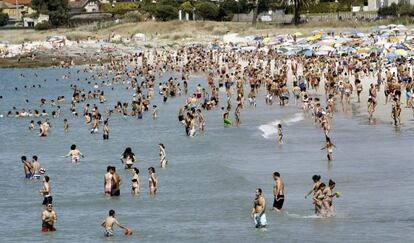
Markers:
187,6
207,10
165,12
297,8
56,9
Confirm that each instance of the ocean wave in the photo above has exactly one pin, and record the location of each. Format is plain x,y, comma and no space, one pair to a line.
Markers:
271,128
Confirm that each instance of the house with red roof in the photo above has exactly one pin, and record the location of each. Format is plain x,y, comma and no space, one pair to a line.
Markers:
16,8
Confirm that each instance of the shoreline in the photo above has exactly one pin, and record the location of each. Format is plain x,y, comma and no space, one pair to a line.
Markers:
47,62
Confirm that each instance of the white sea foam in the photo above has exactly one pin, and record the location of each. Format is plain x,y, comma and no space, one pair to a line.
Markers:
271,128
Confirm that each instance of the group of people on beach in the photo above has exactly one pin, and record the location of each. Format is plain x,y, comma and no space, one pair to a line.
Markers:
233,74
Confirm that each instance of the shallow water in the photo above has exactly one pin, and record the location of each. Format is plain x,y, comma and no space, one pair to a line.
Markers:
206,193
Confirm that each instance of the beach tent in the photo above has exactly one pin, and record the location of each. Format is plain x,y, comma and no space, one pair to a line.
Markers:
139,37
233,38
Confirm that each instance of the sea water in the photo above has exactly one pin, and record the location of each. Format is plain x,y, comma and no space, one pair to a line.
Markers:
206,192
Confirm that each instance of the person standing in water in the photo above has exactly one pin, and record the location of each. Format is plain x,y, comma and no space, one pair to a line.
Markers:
316,182
279,133
49,219
27,167
105,130
163,156
108,179
328,198
318,198
329,148
128,158
154,112
65,125
36,168
152,181
31,125
116,183
258,210
201,120
109,222
135,182
46,192
237,114
75,154
278,192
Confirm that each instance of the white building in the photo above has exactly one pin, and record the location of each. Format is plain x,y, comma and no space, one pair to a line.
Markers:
30,22
374,5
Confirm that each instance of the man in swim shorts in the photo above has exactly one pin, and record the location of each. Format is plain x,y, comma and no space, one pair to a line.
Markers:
48,219
36,168
258,210
45,191
27,167
278,192
109,222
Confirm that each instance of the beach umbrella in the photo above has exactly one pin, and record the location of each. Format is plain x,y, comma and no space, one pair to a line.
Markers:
308,53
363,50
283,50
391,56
401,52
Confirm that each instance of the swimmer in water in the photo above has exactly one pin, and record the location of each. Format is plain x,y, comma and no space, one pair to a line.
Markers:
135,182
152,181
75,154
258,210
109,223
49,219
31,125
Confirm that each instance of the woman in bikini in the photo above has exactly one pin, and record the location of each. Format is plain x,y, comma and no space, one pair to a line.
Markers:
152,181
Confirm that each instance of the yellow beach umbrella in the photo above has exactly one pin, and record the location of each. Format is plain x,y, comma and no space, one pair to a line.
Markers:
401,52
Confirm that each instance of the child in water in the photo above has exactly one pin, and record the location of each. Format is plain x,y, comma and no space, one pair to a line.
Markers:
75,154
280,133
